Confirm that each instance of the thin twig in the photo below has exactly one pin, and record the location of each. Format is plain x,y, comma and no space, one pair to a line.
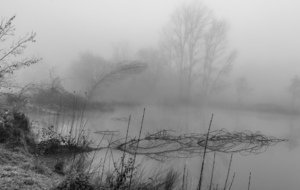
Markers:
212,171
186,179
137,145
105,158
232,181
202,166
183,177
228,171
94,154
165,144
249,181
123,158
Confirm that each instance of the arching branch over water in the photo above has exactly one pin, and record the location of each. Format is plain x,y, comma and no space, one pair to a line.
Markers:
165,144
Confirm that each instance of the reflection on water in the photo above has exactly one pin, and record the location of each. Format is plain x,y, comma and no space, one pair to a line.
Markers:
277,168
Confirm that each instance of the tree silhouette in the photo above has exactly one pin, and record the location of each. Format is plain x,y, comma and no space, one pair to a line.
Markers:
11,51
196,44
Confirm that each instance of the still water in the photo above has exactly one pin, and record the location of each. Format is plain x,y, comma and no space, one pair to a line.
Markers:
277,168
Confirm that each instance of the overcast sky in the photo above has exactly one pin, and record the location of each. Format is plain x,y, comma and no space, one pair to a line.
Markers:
266,33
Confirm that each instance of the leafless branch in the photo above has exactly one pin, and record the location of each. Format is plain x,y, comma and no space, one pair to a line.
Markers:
164,144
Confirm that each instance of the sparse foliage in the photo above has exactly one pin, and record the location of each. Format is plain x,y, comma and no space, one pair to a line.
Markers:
51,93
11,51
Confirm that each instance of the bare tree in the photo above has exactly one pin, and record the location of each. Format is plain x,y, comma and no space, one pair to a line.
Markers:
184,39
11,51
196,44
217,61
93,72
294,90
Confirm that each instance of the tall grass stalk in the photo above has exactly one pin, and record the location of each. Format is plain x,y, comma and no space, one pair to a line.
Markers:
203,160
77,134
183,177
105,158
123,157
249,181
94,154
212,171
228,171
186,179
137,146
232,181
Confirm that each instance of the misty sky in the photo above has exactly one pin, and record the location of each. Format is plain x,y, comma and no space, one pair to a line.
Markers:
266,33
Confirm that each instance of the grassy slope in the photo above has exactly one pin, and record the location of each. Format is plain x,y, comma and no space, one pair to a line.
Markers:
20,170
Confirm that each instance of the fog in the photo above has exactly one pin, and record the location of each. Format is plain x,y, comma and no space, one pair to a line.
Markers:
265,34
249,87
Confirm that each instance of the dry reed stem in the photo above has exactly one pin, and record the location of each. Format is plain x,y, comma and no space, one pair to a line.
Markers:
212,171
202,166
183,177
249,181
137,145
187,177
232,181
94,154
105,156
122,160
228,171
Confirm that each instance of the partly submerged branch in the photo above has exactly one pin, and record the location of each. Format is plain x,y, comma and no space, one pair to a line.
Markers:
166,144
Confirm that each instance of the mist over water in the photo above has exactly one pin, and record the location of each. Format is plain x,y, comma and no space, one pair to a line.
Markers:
238,60
276,168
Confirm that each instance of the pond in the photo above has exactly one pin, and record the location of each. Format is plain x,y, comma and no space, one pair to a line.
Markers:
276,168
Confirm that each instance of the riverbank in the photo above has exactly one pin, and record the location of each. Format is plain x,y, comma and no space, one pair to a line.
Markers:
21,170
33,160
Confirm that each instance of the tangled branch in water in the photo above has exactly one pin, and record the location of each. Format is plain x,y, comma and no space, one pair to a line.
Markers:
165,144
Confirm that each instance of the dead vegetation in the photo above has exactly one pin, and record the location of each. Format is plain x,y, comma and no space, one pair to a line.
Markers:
166,144
63,161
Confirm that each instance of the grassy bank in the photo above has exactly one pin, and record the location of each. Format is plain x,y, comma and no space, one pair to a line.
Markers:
21,170
30,159
39,157
33,160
